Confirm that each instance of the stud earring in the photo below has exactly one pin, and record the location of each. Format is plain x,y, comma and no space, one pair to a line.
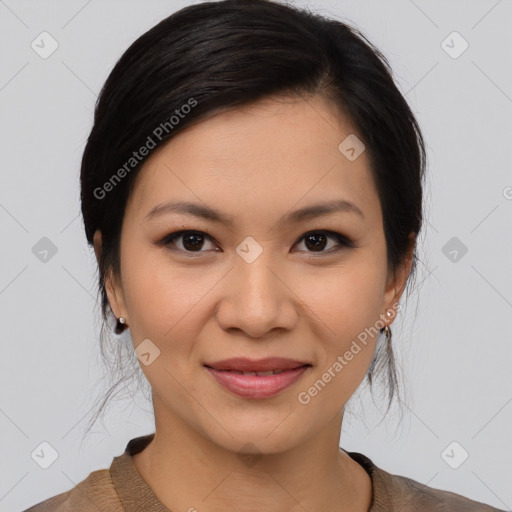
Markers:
121,325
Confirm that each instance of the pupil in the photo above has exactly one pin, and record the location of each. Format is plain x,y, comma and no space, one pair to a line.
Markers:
317,244
196,242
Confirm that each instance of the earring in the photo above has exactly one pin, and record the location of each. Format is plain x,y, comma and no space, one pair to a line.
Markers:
386,329
121,325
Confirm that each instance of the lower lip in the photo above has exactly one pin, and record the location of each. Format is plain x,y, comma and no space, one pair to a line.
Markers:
254,386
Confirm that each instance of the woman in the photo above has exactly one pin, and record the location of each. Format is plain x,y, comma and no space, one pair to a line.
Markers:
252,187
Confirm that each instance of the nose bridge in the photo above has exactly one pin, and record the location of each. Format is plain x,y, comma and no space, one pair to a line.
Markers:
258,286
255,299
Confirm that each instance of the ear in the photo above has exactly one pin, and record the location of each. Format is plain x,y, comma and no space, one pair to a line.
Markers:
395,285
113,288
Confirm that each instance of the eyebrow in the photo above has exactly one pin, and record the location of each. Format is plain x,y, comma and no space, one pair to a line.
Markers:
205,212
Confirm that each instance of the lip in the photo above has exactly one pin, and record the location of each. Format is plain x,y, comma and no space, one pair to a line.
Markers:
257,386
245,364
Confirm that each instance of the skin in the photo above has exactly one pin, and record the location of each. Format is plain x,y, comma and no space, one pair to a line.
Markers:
257,164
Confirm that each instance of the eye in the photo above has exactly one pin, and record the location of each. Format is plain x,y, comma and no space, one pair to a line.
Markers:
190,241
316,241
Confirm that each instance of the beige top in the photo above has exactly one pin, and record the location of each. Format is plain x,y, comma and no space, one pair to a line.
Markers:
122,489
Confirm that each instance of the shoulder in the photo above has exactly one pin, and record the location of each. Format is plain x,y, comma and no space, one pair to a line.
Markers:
400,494
409,492
96,492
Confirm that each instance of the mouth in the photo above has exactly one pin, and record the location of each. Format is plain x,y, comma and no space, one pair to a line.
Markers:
257,378
267,366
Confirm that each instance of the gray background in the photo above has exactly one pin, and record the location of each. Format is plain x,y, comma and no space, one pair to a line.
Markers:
455,354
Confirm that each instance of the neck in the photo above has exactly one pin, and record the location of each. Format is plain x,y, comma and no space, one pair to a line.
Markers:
186,471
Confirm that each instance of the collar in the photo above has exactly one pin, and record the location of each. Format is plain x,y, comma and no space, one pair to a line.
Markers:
134,492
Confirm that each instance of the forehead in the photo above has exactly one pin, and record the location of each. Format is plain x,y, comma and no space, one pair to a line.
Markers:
271,156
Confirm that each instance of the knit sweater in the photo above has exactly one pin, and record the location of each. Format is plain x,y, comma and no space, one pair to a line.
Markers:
121,488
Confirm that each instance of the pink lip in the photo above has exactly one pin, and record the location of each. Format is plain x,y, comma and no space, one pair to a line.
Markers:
255,386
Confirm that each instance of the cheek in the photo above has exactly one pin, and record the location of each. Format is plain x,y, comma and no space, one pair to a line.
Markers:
161,297
345,299
346,306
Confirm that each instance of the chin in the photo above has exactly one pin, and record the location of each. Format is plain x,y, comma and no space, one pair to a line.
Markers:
257,437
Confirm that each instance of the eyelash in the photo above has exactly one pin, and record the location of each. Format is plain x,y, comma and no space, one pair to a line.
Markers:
344,241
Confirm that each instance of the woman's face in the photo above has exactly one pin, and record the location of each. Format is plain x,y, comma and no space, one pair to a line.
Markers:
251,285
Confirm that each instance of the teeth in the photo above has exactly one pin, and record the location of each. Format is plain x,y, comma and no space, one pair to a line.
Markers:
267,372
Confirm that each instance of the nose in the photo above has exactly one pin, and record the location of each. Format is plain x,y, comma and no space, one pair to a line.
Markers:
256,299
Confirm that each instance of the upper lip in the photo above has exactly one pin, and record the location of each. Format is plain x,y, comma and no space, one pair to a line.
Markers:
245,364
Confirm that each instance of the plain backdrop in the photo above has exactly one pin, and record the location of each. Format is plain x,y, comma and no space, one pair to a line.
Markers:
454,340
